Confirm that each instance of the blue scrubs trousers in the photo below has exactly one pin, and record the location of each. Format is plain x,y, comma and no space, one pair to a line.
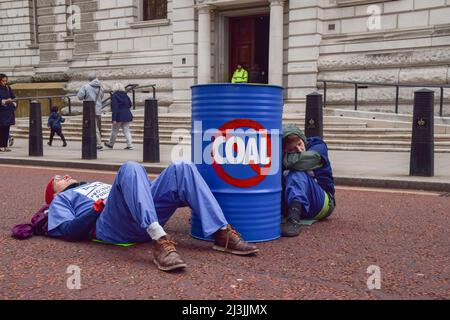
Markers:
304,189
135,202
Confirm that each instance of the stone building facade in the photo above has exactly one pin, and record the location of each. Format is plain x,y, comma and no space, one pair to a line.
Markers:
178,43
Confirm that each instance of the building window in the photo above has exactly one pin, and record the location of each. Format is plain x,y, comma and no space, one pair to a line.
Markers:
69,12
154,10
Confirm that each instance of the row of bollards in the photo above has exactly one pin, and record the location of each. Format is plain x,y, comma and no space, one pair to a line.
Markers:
422,141
89,143
89,138
35,144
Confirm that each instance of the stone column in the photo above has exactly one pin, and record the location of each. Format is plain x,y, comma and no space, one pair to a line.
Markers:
276,42
305,37
204,44
184,55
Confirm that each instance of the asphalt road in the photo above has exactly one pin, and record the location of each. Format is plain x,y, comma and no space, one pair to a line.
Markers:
404,234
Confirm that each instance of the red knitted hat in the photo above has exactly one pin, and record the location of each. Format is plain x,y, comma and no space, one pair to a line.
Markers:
49,193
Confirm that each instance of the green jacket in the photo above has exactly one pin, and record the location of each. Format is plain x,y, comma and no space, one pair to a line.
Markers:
240,76
300,161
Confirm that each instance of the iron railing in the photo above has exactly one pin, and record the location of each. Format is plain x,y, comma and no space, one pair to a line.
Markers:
130,87
364,85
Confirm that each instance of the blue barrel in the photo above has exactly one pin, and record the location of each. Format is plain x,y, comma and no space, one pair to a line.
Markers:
236,146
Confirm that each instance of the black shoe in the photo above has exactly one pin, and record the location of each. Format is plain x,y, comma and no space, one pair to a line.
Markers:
108,145
99,147
65,144
49,143
11,141
290,224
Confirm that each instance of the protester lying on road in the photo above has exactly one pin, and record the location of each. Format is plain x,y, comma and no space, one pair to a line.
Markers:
308,183
134,209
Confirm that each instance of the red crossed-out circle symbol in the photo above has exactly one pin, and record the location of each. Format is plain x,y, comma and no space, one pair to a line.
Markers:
246,182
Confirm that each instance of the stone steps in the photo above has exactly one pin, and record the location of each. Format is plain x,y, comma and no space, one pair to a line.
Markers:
340,133
333,144
137,127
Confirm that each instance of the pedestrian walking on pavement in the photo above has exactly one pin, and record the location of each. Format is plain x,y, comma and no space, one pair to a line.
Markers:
93,91
121,116
8,107
308,183
54,122
134,209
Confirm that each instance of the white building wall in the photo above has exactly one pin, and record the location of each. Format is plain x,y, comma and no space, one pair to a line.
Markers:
18,53
184,53
304,36
411,44
128,50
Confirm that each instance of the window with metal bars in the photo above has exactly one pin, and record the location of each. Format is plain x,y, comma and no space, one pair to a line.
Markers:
154,9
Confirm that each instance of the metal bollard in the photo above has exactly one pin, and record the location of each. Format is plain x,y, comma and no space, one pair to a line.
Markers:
89,143
151,131
35,146
314,115
422,142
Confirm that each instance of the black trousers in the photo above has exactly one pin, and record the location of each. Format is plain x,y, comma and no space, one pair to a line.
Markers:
58,132
4,136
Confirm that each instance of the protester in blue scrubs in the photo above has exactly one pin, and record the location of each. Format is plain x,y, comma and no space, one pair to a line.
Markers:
134,209
309,192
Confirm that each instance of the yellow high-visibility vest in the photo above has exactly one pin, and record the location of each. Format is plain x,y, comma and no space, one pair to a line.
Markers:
240,76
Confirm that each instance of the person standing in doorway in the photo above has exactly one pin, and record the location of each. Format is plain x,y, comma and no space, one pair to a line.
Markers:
255,75
240,75
121,116
93,91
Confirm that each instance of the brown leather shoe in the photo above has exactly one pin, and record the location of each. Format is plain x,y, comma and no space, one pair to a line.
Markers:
229,240
166,256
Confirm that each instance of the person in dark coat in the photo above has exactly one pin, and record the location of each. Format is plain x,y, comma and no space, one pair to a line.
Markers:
54,123
7,108
121,116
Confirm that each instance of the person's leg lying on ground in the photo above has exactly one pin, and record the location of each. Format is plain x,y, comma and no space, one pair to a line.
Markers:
304,199
182,185
130,216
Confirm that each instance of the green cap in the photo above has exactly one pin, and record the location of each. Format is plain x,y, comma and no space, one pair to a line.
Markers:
291,128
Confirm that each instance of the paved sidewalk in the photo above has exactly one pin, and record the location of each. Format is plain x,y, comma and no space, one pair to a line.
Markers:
355,168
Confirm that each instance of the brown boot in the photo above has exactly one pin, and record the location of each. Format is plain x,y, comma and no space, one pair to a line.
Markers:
229,240
166,256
